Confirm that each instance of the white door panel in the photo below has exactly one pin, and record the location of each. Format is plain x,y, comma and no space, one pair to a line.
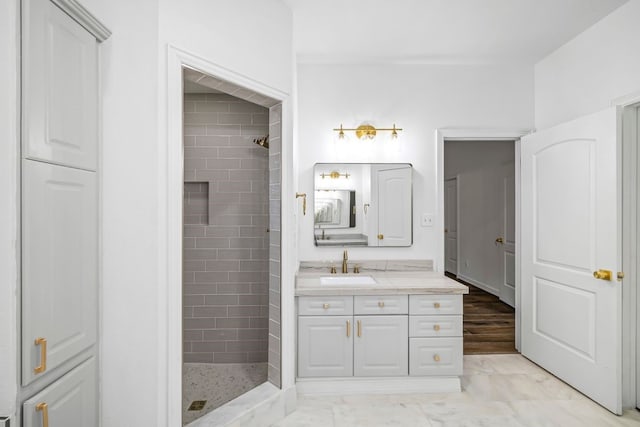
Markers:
59,263
451,225
60,88
395,219
381,346
571,321
508,289
325,346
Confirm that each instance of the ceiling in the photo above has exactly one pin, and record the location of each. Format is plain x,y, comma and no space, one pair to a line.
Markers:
439,31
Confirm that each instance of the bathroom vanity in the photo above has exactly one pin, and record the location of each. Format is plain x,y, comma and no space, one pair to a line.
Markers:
378,331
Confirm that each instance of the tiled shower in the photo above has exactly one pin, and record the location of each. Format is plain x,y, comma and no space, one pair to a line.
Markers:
228,248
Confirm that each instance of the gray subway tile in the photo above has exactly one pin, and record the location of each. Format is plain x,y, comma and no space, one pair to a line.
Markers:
221,334
198,358
230,358
221,299
208,346
214,311
237,322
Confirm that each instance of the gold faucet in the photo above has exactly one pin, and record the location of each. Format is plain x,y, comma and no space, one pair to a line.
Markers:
345,257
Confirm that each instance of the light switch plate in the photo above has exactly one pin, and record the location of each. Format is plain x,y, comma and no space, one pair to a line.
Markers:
427,220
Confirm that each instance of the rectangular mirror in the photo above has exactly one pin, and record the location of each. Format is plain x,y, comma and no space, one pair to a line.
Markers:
363,204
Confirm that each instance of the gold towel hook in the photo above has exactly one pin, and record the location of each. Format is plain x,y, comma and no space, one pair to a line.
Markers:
304,202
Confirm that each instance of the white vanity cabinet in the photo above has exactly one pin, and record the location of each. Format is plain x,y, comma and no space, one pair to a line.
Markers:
435,335
362,336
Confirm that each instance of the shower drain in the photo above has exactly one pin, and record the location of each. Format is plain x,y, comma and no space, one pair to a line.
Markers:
197,405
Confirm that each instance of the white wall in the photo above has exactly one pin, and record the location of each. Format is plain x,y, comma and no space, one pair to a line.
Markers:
134,68
465,156
586,74
8,204
418,98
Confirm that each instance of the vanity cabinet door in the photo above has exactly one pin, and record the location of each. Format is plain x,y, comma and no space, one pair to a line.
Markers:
325,346
381,346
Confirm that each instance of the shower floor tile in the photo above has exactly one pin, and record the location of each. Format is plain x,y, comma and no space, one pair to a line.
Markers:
217,383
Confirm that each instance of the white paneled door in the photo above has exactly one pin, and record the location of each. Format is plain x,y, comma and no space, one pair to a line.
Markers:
381,346
59,265
571,319
60,88
508,244
451,225
395,218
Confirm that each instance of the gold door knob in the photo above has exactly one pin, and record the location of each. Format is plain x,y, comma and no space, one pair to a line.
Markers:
436,357
380,236
42,342
603,274
436,327
499,240
446,230
325,306
44,408
436,305
381,304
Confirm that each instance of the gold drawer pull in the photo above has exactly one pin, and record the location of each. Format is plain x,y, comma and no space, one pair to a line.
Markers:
42,342
436,327
436,357
348,328
436,305
325,306
44,408
381,304
359,328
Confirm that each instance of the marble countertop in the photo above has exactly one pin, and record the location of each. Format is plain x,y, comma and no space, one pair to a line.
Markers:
388,283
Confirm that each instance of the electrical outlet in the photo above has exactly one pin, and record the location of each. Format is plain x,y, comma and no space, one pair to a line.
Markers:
427,220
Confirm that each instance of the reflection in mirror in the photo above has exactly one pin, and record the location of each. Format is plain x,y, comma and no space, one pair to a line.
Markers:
362,204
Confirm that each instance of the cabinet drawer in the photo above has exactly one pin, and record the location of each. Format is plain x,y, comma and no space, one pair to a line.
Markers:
328,306
381,304
435,304
435,326
435,356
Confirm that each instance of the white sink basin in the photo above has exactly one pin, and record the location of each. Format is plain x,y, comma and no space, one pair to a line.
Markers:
347,281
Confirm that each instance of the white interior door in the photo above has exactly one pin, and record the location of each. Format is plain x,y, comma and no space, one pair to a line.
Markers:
451,225
395,219
508,288
571,321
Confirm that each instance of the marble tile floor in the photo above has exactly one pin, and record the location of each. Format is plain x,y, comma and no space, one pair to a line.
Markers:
217,383
498,391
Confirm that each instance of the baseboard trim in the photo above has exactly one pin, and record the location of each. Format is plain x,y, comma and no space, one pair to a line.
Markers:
378,385
483,286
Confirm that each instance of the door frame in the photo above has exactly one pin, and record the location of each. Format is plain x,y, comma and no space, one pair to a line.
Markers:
628,185
170,175
455,178
474,134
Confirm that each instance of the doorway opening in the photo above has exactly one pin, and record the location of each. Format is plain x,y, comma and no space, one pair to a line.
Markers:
230,243
479,239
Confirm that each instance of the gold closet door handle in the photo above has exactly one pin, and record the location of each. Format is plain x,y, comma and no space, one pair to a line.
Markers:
42,342
380,236
359,328
44,408
603,274
499,240
348,328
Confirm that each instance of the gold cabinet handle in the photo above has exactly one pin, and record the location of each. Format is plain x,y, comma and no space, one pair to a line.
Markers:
436,327
325,306
499,240
381,304
436,305
359,328
44,408
603,274
436,357
42,342
348,328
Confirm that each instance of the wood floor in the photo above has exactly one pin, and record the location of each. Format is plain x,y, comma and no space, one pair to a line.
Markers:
489,325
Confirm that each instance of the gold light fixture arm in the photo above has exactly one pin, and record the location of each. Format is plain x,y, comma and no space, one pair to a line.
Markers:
367,131
304,202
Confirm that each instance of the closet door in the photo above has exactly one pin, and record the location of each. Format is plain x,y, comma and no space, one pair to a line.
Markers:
69,402
59,265
60,88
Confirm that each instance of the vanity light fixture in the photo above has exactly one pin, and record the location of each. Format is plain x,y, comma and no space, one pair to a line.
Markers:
334,175
365,131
